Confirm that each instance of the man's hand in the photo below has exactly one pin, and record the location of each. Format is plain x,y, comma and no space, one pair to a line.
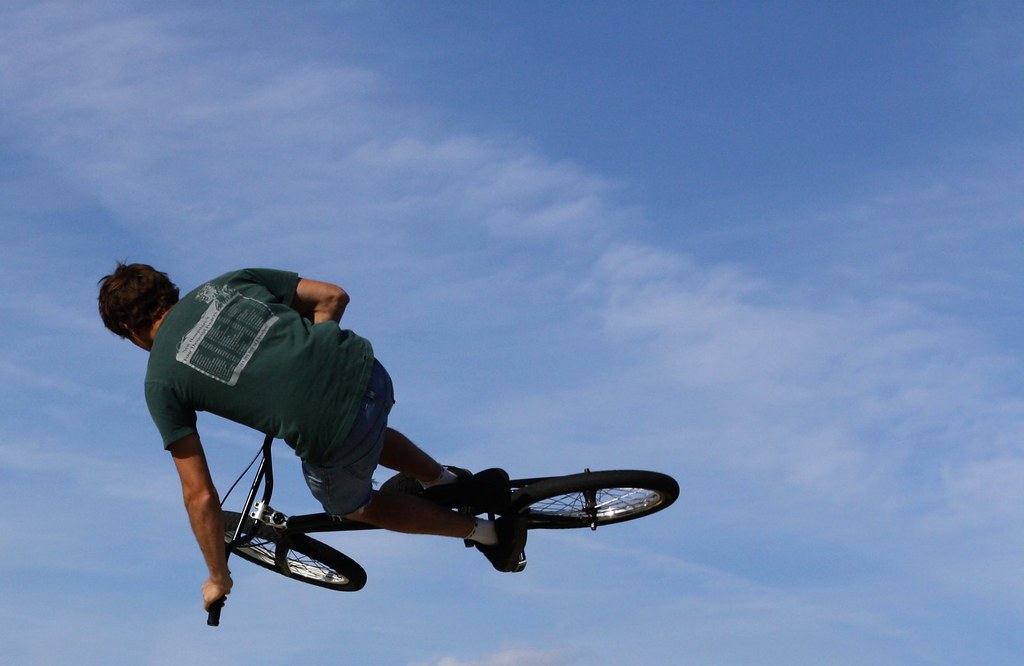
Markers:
216,589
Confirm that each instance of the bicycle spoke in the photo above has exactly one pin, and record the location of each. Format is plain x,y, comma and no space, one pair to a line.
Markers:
606,503
298,563
295,555
312,569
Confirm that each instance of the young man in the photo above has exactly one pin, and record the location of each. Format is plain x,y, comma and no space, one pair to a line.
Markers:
263,348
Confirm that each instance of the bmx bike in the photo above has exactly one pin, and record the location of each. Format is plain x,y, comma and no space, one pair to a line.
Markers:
281,543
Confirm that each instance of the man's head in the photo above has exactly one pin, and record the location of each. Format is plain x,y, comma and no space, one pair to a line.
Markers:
133,298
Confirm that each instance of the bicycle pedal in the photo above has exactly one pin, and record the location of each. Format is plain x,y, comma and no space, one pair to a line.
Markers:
521,565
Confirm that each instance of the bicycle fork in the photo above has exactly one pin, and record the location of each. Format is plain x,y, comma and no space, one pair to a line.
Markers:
264,473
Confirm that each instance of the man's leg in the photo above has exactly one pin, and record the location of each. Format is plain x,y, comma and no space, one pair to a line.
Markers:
413,515
501,542
406,513
401,455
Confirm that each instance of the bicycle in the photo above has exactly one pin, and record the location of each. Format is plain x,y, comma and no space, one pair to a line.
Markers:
280,543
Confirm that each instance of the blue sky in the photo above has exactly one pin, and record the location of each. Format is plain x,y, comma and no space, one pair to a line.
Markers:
772,249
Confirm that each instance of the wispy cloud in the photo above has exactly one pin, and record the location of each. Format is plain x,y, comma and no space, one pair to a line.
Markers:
164,139
523,656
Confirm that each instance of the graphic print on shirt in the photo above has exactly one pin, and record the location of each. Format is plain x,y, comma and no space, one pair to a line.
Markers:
224,339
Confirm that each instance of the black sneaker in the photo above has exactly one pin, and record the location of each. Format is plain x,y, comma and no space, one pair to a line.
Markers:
487,491
509,554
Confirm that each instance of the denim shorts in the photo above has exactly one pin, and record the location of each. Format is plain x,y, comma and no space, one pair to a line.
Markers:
344,483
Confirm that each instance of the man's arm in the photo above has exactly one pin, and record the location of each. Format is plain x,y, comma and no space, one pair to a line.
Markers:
203,506
320,301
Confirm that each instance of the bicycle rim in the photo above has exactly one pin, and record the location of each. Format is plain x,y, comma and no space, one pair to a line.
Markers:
593,499
295,556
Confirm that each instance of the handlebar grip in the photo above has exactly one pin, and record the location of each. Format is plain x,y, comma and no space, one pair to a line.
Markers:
213,615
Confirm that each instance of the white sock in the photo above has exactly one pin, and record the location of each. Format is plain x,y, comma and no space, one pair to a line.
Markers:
447,476
483,532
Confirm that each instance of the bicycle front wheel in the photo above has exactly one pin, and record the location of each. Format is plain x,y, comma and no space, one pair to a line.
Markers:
296,556
592,499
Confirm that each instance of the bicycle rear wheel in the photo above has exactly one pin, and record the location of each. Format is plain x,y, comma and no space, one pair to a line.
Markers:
296,556
592,499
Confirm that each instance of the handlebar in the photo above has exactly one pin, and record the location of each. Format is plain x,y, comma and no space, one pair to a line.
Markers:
213,614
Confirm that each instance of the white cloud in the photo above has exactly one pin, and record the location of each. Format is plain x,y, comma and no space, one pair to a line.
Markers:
164,140
80,470
512,656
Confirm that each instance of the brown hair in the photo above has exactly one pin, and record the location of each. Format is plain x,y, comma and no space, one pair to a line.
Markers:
133,297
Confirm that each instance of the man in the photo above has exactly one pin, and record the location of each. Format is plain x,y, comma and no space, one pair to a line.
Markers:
263,348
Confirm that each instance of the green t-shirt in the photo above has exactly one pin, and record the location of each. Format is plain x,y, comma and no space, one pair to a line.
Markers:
234,347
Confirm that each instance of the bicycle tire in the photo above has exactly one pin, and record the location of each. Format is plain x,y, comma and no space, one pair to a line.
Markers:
303,558
593,499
